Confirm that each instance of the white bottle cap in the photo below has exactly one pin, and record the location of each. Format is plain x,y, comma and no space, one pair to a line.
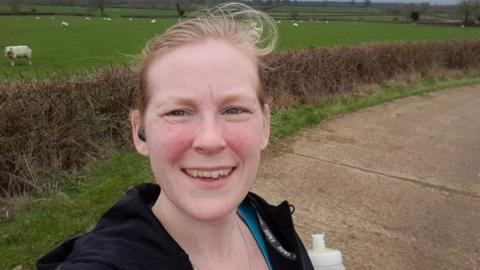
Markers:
322,256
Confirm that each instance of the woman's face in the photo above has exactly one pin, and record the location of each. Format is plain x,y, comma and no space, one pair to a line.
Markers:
205,127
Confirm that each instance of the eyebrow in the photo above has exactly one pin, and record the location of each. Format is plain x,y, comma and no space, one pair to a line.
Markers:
231,98
176,100
189,102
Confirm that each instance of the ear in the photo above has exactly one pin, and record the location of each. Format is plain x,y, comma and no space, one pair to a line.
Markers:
136,123
266,126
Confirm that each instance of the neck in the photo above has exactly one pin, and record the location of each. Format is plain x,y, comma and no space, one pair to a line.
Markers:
212,240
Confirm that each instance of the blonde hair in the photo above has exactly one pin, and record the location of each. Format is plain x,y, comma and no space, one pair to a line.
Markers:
248,29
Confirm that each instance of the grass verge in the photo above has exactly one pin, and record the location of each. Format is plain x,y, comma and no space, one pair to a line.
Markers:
46,222
288,122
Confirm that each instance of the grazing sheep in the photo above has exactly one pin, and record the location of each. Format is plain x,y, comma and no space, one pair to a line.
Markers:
279,22
64,24
87,18
153,21
295,24
130,19
109,19
38,18
18,51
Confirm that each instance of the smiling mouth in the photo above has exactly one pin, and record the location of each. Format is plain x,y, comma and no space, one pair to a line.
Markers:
209,175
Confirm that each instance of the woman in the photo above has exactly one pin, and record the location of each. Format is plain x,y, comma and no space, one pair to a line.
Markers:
202,121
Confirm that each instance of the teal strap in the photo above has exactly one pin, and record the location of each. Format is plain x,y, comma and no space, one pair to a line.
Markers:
249,216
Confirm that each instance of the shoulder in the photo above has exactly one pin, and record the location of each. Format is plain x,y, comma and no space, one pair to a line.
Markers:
125,233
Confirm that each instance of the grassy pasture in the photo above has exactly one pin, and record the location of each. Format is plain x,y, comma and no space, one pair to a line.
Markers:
96,42
85,44
321,34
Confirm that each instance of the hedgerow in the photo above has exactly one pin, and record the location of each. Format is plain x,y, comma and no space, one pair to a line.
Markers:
60,124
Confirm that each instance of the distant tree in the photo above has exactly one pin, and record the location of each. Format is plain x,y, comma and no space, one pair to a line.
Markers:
269,3
468,8
100,5
180,11
294,13
414,15
367,3
423,7
14,5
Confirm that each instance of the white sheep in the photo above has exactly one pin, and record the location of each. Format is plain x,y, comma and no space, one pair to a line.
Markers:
18,51
87,18
64,24
153,21
295,24
109,19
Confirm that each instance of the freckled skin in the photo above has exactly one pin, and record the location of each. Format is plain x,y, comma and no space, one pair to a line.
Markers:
203,81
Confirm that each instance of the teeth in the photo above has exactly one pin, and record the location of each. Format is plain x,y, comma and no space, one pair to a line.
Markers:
208,174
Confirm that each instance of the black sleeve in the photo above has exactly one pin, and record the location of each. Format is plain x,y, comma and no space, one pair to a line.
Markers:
83,266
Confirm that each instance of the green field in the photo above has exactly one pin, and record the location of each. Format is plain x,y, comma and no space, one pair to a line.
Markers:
96,42
85,44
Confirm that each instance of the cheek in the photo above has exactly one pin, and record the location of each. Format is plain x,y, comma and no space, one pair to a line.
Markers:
243,139
172,144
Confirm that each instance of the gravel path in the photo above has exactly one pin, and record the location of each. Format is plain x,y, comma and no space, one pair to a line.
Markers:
395,186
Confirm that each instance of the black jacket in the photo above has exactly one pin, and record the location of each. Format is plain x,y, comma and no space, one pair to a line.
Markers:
129,236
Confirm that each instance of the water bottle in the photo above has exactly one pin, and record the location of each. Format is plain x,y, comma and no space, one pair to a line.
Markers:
324,258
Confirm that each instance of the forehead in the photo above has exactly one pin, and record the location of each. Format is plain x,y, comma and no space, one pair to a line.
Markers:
213,66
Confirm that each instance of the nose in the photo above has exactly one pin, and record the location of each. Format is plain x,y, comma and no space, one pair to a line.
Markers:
209,137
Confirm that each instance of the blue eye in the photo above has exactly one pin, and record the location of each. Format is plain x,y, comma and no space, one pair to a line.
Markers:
233,110
178,113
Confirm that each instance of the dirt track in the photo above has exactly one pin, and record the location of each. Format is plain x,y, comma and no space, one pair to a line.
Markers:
395,186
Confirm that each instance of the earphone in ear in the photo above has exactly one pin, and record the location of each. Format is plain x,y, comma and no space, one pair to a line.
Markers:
141,134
